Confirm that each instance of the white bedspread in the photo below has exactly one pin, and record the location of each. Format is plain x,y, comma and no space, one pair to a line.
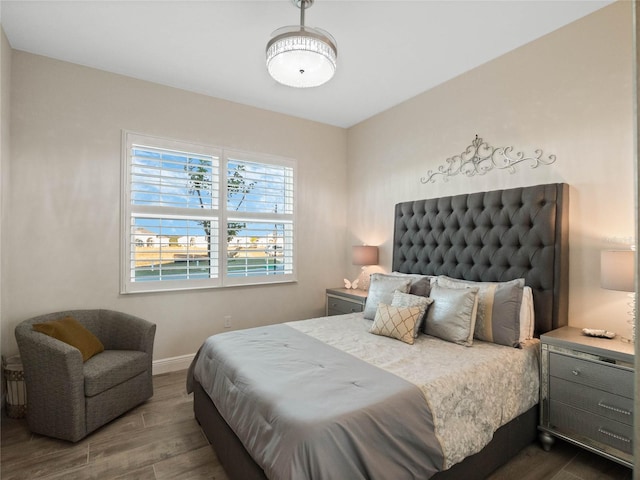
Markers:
471,391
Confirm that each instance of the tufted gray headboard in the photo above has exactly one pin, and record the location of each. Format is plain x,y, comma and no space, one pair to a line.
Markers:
493,236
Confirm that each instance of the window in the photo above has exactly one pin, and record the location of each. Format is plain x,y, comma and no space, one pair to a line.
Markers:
196,216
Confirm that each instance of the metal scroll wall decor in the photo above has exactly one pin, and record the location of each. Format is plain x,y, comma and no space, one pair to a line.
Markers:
480,158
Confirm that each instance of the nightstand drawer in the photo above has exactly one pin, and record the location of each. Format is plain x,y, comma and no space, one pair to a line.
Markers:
337,306
592,400
586,393
601,376
589,426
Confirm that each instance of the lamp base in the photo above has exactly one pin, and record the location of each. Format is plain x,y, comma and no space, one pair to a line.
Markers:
632,318
364,280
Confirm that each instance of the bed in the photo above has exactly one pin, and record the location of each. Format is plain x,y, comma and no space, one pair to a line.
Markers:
498,236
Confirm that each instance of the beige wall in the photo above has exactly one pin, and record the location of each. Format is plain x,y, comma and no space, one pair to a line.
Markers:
64,219
5,108
636,84
569,94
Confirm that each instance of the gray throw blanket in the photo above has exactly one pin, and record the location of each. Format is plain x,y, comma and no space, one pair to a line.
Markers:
306,410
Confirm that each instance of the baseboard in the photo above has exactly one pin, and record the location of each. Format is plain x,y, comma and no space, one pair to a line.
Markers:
172,364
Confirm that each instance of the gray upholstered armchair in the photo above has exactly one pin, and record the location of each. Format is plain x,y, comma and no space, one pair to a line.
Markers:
69,399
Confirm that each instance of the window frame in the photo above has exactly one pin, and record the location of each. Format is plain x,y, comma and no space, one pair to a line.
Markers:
221,214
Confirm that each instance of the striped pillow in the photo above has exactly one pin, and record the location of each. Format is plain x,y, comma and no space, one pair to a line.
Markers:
498,318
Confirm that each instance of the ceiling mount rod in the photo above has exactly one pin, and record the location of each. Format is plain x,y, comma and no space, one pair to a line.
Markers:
302,5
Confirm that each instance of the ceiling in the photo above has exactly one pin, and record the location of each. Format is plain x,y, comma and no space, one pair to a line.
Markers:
388,51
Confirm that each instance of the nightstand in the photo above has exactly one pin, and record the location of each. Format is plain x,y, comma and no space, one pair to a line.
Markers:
344,300
586,393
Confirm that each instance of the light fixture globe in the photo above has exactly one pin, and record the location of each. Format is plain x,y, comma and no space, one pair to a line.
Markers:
299,56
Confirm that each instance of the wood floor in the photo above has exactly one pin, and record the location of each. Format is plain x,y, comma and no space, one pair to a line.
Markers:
161,440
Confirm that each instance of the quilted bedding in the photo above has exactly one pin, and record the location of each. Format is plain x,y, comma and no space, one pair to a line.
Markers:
323,398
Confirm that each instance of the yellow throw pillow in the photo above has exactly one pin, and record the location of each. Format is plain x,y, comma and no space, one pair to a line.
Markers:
396,322
69,330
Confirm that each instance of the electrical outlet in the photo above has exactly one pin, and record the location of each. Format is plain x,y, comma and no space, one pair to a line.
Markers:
227,321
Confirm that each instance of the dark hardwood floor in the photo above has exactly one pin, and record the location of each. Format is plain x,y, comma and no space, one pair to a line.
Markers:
161,440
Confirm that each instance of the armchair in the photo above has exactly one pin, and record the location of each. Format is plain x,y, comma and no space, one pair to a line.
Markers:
68,398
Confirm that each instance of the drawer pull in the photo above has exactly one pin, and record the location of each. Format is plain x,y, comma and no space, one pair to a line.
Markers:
614,409
575,371
614,435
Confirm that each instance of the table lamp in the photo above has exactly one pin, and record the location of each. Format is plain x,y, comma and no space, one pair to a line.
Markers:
617,272
363,255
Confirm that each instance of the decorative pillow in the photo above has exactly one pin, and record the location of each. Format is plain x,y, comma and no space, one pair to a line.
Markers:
499,304
407,300
452,316
527,315
420,284
381,290
69,330
396,322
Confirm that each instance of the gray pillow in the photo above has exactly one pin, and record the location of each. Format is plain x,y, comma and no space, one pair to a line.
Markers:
420,284
408,300
452,316
499,303
381,290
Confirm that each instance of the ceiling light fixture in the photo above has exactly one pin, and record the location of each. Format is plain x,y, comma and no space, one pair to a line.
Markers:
300,56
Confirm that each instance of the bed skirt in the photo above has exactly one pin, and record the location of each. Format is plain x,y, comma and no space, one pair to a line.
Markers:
238,464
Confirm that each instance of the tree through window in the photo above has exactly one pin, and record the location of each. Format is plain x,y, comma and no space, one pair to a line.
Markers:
196,216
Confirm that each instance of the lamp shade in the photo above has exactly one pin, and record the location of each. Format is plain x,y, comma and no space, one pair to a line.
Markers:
617,270
301,56
364,255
